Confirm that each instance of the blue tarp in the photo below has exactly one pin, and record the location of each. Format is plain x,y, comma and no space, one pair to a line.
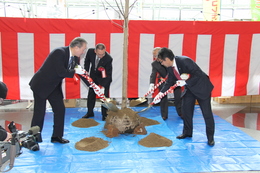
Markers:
233,151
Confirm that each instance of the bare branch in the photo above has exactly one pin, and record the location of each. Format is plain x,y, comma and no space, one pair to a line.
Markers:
122,7
131,7
120,10
114,10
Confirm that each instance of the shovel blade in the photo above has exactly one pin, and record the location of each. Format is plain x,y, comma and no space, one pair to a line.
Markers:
110,106
145,109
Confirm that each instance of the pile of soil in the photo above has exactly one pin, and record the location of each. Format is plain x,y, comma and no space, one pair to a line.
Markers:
148,122
155,140
91,144
125,120
84,123
128,121
134,103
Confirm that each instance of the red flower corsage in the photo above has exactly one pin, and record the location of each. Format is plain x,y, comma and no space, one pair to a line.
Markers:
103,71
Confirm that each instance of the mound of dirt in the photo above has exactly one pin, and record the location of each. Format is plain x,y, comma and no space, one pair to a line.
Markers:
125,120
148,122
84,123
155,140
91,144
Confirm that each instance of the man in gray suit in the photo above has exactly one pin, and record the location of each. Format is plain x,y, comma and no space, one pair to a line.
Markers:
197,86
159,73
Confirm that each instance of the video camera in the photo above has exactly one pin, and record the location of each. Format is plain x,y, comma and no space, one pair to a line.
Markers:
27,140
12,149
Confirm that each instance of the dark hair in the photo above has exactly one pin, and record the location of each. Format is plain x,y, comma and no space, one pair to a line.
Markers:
100,46
165,53
78,41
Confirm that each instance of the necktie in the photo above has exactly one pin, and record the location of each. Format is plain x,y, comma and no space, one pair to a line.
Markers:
70,62
96,63
177,75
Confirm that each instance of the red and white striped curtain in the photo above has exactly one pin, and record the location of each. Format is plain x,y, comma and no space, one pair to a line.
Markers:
229,52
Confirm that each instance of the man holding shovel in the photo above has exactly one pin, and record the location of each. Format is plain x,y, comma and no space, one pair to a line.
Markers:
159,73
46,84
99,62
198,87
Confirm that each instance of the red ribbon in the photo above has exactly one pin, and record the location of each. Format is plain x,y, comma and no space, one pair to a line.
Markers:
103,72
75,78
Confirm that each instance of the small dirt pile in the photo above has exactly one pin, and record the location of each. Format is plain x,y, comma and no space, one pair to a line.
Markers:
84,123
155,140
91,144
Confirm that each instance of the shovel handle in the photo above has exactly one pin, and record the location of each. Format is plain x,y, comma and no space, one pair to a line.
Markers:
166,92
93,85
156,86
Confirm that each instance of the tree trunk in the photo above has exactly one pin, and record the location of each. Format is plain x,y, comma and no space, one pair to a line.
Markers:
125,57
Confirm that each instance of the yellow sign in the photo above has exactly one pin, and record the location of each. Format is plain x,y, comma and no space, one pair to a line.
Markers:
211,10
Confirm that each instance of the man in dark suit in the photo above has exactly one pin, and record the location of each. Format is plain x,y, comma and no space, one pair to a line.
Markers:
197,86
101,74
46,85
159,73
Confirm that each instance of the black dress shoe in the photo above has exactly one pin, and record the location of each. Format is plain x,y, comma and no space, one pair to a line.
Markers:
182,136
164,118
211,143
88,115
59,139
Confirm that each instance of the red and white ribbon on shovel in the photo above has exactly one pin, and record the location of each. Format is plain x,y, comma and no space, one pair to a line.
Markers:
159,98
97,90
156,86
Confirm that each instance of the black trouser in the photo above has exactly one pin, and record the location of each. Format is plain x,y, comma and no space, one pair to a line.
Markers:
178,100
56,101
188,103
92,101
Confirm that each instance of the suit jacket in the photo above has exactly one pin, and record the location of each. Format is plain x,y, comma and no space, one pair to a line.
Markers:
95,74
3,134
157,67
52,72
198,82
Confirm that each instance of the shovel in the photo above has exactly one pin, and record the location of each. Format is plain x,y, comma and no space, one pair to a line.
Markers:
141,100
165,93
183,76
106,102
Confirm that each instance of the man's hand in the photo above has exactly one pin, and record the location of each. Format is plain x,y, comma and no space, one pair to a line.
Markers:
157,98
181,83
79,70
151,87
